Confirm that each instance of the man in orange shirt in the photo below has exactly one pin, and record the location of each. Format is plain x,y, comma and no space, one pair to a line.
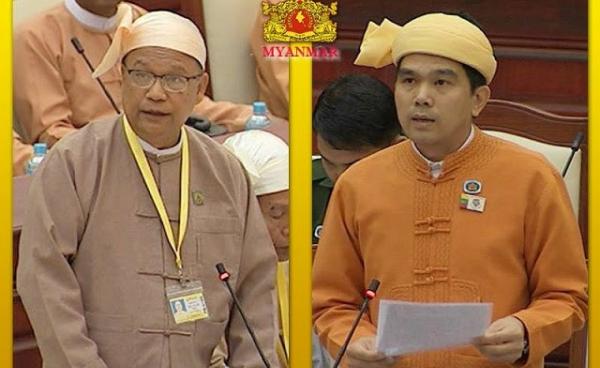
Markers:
452,215
354,117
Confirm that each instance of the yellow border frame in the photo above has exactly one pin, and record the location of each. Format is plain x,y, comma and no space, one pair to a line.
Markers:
300,208
594,178
6,185
300,115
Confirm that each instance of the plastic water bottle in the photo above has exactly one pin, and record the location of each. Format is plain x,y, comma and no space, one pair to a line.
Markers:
39,152
259,119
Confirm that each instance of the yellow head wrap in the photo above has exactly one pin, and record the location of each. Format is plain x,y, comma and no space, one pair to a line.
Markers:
438,34
159,28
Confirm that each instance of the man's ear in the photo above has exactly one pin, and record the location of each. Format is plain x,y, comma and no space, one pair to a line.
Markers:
202,87
480,98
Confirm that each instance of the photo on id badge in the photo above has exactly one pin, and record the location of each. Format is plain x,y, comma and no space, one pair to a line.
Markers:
178,306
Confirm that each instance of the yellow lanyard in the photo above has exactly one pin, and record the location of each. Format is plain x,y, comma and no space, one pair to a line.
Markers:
284,308
142,163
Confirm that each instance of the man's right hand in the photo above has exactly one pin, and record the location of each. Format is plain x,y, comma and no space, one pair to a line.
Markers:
362,354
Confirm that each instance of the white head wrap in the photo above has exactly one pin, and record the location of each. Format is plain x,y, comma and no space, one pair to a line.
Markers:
160,29
265,157
438,34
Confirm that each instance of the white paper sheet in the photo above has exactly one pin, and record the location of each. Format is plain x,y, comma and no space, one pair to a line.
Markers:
405,327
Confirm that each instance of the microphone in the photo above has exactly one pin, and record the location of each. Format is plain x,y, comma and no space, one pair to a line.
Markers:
369,294
77,45
198,123
574,148
224,276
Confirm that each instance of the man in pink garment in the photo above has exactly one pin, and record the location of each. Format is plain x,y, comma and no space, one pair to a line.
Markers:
54,93
21,153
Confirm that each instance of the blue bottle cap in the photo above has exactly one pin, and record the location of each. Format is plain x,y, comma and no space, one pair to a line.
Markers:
40,149
259,107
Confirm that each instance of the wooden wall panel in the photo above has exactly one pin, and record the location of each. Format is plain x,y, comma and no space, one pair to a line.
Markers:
552,85
191,9
541,46
549,21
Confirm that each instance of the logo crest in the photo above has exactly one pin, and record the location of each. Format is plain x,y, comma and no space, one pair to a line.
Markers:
472,187
318,231
198,198
299,21
472,202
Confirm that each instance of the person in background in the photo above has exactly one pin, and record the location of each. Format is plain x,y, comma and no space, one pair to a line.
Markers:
54,92
272,74
354,117
266,160
22,152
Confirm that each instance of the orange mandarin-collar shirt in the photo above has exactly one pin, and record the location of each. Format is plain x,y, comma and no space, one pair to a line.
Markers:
389,219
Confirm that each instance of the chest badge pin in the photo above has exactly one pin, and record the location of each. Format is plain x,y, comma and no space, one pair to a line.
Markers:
472,202
472,186
198,198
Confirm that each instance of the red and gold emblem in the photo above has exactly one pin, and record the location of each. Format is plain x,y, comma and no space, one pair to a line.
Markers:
299,21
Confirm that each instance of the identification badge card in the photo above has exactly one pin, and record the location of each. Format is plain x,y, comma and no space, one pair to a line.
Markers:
472,202
186,301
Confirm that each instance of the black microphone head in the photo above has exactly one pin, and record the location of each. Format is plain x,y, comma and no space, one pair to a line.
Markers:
374,285
223,274
77,45
577,141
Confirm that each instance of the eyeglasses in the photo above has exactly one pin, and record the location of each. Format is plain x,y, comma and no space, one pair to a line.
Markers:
169,82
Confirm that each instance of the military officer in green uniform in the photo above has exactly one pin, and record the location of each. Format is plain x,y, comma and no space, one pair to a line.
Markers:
354,117
321,190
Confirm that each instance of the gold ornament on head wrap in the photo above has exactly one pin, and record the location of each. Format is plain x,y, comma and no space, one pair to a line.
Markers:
437,34
154,29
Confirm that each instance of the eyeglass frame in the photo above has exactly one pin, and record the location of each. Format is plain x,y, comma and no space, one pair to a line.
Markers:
162,79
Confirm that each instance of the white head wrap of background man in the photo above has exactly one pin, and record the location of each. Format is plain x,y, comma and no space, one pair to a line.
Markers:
266,159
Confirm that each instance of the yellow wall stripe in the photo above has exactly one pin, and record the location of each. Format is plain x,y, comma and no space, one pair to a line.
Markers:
594,180
300,209
5,185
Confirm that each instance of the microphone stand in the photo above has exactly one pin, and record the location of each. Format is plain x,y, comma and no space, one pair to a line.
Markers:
77,45
574,148
369,294
224,276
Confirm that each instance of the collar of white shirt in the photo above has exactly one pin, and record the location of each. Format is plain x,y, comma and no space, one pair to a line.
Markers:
157,151
436,167
91,20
